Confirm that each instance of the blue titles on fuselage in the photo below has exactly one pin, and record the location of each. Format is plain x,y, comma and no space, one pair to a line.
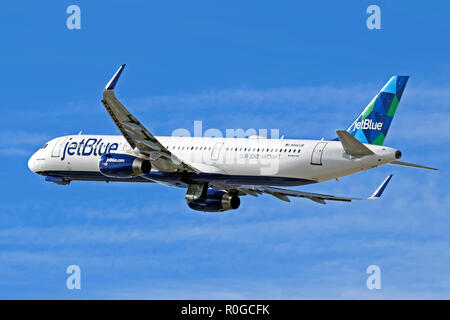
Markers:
92,146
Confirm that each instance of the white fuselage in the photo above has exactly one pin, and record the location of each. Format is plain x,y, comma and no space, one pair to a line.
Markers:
315,160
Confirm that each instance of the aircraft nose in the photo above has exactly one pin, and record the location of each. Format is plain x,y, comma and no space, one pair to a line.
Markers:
33,164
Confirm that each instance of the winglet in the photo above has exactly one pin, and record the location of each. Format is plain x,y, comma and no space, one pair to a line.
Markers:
381,188
112,83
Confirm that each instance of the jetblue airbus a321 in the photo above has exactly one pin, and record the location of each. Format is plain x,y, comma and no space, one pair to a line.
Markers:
217,171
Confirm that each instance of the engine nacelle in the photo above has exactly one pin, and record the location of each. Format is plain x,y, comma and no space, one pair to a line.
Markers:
116,165
215,201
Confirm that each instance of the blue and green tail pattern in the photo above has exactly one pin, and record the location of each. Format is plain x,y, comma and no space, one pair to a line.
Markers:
373,123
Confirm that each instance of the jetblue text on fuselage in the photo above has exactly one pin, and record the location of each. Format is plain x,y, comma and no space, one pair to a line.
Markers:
92,146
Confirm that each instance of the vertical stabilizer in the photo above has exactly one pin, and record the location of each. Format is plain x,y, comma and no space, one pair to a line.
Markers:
373,123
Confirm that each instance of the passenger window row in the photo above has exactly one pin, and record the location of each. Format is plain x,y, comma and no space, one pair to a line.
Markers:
235,149
187,148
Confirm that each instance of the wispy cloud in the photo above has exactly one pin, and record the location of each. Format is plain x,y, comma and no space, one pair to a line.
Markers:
21,138
303,98
20,143
15,151
297,110
284,98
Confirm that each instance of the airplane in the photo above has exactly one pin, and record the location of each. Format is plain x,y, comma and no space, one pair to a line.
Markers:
215,171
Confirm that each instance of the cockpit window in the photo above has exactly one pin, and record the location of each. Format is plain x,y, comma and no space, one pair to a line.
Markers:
45,146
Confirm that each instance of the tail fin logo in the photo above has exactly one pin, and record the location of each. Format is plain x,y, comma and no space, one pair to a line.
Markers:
367,124
372,125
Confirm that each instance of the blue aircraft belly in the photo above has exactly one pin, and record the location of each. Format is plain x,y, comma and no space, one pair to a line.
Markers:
179,179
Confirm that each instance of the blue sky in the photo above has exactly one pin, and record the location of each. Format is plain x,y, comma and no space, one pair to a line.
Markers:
304,68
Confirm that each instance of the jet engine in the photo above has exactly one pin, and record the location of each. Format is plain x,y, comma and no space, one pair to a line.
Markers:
116,165
215,201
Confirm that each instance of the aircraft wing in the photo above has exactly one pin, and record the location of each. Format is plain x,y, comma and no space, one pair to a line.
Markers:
137,135
284,194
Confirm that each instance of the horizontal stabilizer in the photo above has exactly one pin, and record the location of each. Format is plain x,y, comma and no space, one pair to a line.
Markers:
351,145
407,164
